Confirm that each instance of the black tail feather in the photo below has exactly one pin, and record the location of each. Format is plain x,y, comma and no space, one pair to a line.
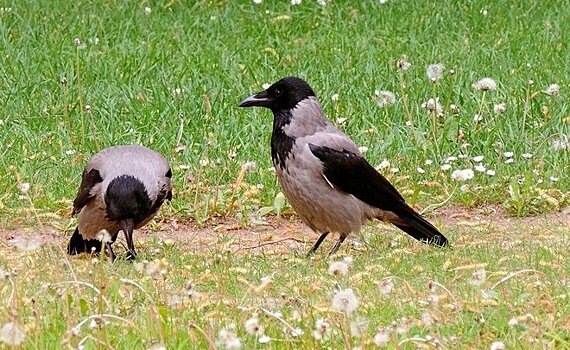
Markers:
419,228
79,245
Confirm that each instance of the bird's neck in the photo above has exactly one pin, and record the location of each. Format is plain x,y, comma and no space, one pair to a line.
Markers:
281,143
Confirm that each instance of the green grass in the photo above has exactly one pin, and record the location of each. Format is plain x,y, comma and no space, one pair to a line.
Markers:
190,292
128,69
218,52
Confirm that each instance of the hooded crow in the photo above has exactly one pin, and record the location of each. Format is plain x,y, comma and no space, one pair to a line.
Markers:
122,189
323,174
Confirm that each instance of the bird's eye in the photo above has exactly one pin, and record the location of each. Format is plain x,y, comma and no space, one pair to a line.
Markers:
277,92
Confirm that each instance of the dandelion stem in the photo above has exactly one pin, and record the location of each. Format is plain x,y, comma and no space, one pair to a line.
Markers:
211,345
434,121
513,274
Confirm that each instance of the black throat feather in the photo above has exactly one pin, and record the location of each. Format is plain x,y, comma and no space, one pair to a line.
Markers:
281,143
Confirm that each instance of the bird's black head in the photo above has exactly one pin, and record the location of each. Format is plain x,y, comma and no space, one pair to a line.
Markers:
127,198
282,95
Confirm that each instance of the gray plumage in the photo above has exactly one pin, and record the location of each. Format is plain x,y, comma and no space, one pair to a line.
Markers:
323,174
122,189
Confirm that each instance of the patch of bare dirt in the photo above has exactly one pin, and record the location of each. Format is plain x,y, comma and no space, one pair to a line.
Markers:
285,234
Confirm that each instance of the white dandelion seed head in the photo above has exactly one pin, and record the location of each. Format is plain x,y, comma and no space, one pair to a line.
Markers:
322,326
446,167
338,268
513,322
335,97
382,337
264,339
485,84
177,91
385,286
88,108
77,42
103,236
147,10
490,172
500,108
479,277
433,105
428,162
227,338
385,98
12,334
249,166
252,326
509,154
498,345
403,64
553,90
526,155
345,301
435,72
462,174
358,327
420,170
480,168
297,332
383,164
24,187
560,144
348,259
427,319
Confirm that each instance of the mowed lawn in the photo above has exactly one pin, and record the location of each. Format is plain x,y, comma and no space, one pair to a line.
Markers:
78,77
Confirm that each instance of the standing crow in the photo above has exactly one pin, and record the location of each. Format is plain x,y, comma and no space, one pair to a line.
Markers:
323,174
122,189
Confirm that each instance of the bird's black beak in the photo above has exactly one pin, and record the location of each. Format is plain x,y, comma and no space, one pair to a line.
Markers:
260,99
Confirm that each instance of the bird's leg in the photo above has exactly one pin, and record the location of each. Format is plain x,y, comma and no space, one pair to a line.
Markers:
317,243
109,251
128,227
337,245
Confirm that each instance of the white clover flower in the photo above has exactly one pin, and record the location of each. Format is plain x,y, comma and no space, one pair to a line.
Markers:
508,154
485,84
462,175
500,108
479,277
509,160
454,108
450,159
554,179
147,10
394,170
88,108
345,301
420,170
435,72
103,236
527,155
70,152
295,2
334,97
477,117
403,64
338,268
265,86
252,326
560,144
385,98
363,149
341,120
257,1
323,2
480,168
12,334
478,158
498,345
177,91
553,90
382,337
446,167
490,172
383,164
385,286
428,162
24,187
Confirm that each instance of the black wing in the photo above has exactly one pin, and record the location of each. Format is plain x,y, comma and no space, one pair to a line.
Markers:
90,179
351,173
